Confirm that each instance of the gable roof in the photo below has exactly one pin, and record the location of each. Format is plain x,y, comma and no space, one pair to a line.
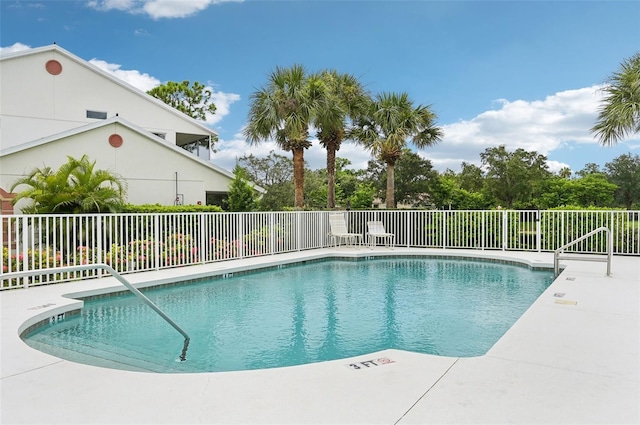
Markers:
119,120
89,127
110,77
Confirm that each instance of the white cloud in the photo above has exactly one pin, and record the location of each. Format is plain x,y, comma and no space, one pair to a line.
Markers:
141,81
104,5
16,47
32,5
229,150
539,125
542,126
174,9
156,9
555,166
223,102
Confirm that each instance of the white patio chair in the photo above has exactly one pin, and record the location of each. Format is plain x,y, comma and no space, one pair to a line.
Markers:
376,230
338,231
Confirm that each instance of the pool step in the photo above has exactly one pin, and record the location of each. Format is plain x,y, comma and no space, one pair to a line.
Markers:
96,359
99,353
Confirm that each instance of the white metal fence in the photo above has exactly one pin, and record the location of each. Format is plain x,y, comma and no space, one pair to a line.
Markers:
140,242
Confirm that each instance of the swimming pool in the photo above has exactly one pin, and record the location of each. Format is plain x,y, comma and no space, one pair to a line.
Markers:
301,314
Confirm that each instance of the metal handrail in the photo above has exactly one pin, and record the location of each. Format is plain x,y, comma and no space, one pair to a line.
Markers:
129,286
559,251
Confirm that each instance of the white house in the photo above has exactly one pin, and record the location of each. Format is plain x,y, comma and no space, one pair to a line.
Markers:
54,105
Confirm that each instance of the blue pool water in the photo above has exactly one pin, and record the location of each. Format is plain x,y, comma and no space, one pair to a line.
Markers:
303,314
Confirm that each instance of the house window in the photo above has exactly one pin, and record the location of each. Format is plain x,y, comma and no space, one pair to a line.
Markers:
96,115
161,135
217,198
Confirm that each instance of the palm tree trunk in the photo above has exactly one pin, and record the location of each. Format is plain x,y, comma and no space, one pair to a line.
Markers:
391,189
331,175
298,177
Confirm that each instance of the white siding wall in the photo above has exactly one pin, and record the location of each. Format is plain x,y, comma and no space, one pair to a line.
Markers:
149,166
36,104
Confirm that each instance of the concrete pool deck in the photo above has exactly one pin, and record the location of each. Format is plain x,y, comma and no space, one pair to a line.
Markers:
561,362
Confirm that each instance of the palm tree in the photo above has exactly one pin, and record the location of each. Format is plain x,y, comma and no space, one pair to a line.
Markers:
343,98
389,121
76,187
620,111
282,110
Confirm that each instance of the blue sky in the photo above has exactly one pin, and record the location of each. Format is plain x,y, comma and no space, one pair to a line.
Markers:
524,74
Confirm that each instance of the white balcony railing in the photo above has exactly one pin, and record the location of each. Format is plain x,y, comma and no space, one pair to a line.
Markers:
140,242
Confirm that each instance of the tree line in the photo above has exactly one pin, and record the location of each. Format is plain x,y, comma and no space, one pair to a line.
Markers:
518,179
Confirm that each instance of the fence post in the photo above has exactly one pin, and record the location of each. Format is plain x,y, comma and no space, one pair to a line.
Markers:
611,230
609,249
406,225
272,233
201,248
444,229
239,232
22,251
505,223
562,213
4,220
484,231
156,242
538,232
98,247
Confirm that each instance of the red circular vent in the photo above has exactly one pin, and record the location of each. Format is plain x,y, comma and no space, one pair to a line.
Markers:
53,67
115,140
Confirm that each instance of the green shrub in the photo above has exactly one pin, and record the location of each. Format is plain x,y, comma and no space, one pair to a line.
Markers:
157,208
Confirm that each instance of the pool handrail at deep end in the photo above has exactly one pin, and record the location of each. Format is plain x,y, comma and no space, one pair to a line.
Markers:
558,253
121,279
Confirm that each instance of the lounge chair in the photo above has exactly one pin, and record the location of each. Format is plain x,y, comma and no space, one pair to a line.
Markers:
376,230
338,231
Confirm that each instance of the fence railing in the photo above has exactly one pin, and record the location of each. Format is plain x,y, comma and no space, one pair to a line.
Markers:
141,242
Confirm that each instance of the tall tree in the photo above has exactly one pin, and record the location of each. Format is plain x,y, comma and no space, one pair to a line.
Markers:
191,99
269,170
592,190
242,197
283,110
315,189
341,99
514,176
624,171
348,182
273,173
387,124
620,110
416,179
449,193
589,168
76,187
565,173
471,177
